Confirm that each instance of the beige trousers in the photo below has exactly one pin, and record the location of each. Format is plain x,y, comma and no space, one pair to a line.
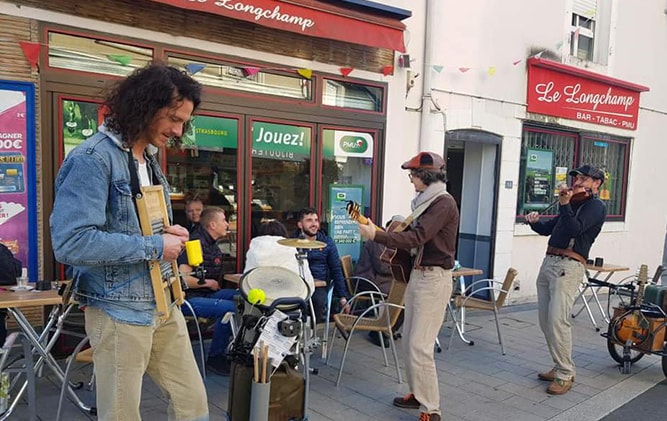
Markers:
425,303
557,287
124,352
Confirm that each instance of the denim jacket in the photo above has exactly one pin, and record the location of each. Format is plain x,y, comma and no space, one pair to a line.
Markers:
95,229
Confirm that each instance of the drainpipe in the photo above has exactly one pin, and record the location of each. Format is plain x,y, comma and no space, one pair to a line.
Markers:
429,140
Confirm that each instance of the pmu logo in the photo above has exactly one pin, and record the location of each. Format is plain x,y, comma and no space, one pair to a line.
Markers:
353,144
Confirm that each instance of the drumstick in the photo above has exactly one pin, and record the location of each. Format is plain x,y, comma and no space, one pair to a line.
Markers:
265,364
256,358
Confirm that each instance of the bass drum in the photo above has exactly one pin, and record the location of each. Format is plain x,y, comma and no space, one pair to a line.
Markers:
276,282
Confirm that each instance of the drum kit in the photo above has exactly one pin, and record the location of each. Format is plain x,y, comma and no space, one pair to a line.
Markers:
288,292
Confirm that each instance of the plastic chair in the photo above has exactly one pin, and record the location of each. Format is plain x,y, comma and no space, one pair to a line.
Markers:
380,317
466,301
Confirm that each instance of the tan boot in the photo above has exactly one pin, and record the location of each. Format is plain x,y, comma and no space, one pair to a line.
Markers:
549,376
559,387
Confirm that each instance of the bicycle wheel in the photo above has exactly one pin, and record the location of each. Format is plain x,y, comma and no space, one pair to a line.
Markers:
664,360
616,351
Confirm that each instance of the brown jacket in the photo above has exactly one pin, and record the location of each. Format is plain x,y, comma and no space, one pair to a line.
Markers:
435,229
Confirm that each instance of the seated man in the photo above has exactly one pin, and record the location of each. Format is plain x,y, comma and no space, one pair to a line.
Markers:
204,293
264,250
324,263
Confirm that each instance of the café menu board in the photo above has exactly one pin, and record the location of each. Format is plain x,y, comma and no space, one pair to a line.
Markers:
18,224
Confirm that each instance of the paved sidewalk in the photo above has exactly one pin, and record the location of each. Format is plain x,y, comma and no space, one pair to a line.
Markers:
476,382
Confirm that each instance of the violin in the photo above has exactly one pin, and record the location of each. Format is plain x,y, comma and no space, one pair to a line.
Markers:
576,199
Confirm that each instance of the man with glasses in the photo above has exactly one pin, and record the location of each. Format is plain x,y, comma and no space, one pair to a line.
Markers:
432,239
580,217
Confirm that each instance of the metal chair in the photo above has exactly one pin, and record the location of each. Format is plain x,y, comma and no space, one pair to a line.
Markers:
466,300
380,317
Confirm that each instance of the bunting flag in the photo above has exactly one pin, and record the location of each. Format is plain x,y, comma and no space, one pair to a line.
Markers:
345,71
388,70
250,71
515,62
194,68
305,73
491,71
31,52
438,68
463,69
121,59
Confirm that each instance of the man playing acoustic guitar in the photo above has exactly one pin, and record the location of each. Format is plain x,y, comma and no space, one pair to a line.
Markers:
432,237
579,221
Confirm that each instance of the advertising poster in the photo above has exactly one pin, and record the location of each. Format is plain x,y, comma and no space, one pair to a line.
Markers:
17,173
80,121
539,176
342,229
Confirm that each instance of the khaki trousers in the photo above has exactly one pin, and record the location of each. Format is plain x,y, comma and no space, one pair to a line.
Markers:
124,352
425,303
557,287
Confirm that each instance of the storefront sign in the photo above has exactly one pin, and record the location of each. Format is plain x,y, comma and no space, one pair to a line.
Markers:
353,144
18,213
342,229
280,141
539,176
212,133
564,91
312,21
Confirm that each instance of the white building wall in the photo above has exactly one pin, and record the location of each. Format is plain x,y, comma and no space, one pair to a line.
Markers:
479,34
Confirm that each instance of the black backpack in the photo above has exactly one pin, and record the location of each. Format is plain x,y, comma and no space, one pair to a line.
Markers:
10,267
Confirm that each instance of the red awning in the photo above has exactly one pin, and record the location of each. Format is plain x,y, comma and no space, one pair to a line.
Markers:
313,18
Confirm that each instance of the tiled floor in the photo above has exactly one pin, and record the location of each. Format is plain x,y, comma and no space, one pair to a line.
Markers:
476,382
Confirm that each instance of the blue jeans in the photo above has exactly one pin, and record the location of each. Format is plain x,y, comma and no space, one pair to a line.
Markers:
215,306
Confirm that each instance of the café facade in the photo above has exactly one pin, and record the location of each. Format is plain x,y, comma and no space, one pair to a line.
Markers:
294,110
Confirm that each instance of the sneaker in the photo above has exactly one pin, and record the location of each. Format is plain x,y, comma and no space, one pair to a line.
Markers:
549,376
425,416
559,387
407,401
219,365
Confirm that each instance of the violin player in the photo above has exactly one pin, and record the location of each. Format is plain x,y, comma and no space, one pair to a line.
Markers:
572,232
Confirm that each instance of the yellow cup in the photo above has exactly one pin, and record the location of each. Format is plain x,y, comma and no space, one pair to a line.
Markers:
194,252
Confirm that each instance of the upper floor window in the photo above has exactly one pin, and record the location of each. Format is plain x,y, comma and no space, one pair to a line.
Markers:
94,55
590,32
338,93
582,36
239,78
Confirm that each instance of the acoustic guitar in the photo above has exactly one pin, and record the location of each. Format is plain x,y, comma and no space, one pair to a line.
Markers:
633,326
398,260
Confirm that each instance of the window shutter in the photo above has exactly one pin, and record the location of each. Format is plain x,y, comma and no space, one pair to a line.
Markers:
586,8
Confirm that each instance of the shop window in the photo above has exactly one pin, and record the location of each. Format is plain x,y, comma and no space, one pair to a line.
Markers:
88,54
280,172
79,121
205,166
338,93
347,173
548,155
247,79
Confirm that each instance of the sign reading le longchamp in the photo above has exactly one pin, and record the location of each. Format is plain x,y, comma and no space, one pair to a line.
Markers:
562,91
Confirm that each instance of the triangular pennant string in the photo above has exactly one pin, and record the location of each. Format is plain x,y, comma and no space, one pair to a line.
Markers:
387,70
438,68
491,71
31,52
250,71
515,62
121,59
305,73
194,68
463,69
345,71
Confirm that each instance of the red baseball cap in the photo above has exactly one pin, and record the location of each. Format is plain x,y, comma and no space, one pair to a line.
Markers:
430,161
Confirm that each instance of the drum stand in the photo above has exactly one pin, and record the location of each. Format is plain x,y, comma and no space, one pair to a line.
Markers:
310,339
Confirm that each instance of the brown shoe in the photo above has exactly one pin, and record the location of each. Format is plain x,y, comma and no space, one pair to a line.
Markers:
425,416
549,376
559,387
407,401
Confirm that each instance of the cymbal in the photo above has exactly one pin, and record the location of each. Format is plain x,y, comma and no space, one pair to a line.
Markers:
302,243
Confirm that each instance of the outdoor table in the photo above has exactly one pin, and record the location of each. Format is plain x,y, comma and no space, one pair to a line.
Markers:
596,282
14,302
